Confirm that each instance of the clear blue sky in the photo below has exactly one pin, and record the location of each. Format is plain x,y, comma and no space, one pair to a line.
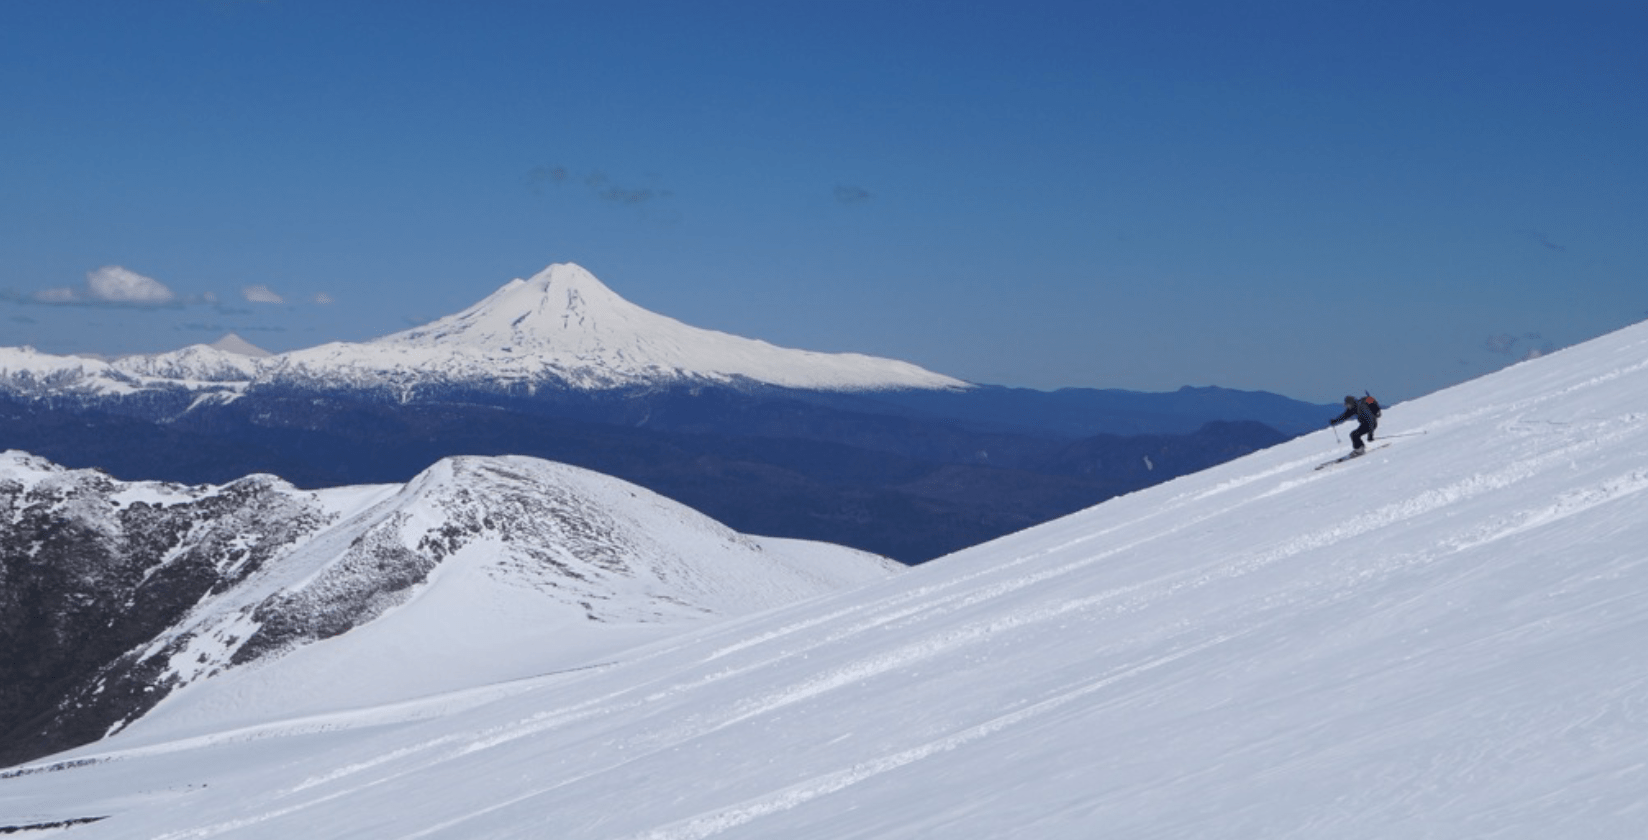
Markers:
1311,198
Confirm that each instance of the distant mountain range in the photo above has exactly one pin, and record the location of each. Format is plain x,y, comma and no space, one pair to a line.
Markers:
561,329
872,453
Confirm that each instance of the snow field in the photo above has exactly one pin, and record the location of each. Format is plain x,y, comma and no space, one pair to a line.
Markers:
1439,640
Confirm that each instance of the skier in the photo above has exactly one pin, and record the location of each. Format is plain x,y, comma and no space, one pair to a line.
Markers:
1367,419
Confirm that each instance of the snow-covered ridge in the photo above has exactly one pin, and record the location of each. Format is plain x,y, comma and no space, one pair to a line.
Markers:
195,365
28,372
561,328
495,560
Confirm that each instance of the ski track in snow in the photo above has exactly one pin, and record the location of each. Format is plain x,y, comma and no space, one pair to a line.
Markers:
796,794
706,825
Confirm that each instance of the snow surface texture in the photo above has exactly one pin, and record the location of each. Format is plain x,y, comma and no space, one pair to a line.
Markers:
1443,639
561,328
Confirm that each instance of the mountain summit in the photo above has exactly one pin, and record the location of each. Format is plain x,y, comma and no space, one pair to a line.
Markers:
562,309
564,327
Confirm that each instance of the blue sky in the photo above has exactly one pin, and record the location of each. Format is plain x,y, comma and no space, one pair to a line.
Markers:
1311,198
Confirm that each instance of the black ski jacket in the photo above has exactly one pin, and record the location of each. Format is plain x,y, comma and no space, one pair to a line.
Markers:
1361,411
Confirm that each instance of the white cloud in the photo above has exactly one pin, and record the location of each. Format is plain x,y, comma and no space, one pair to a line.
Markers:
114,284
323,298
111,284
261,294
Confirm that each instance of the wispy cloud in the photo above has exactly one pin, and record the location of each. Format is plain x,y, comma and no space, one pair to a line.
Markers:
545,176
598,184
606,190
847,194
260,293
628,196
1502,343
323,298
1543,240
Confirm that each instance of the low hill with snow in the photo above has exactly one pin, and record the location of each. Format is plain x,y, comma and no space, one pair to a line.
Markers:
480,570
1442,639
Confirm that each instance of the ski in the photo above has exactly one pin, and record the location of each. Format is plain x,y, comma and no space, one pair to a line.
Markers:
1353,455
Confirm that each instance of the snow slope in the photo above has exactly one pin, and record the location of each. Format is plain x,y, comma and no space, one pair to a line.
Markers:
1443,639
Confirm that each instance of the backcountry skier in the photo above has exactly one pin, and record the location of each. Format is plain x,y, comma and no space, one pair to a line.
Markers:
1366,413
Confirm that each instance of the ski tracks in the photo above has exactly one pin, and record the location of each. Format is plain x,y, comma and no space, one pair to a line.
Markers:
923,604
717,821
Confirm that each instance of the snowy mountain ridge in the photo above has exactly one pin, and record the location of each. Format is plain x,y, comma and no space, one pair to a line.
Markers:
1442,639
562,328
198,366
253,571
29,373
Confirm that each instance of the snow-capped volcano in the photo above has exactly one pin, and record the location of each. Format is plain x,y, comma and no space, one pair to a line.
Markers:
564,327
232,343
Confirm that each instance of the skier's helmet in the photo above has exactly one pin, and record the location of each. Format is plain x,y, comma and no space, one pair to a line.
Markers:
1350,401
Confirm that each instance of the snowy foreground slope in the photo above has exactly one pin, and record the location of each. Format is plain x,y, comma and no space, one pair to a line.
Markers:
1442,640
